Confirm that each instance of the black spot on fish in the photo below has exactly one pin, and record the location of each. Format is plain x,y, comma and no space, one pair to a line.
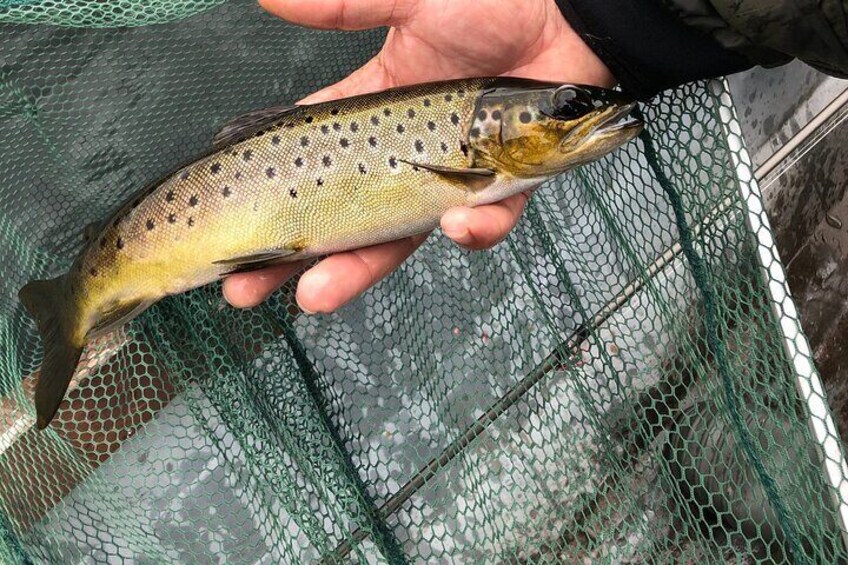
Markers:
375,121
444,147
455,119
275,140
525,117
308,119
172,218
337,126
102,242
426,102
334,112
237,176
93,272
319,182
392,162
288,125
271,172
372,141
354,127
226,191
415,168
298,162
193,200
400,128
410,113
474,132
460,93
169,196
304,141
496,115
190,221
419,146
215,168
327,161
248,155
325,129
387,112
482,115
293,192
448,97
150,225
184,176
464,148
431,126
344,142
119,243
362,168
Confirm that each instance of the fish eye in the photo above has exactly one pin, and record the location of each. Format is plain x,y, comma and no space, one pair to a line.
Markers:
570,103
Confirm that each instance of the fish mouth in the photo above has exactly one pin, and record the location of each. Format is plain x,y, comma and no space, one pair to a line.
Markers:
620,120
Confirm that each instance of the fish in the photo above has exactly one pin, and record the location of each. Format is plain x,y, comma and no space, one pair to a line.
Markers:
288,183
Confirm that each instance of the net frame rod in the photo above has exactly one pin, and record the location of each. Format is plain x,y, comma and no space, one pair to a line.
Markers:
807,379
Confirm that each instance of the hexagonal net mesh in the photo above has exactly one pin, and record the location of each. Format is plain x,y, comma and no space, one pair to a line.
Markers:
623,380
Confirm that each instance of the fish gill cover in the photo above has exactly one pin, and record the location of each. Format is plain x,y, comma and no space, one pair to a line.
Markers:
623,380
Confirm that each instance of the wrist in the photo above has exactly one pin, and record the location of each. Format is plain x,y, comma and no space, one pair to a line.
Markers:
561,54
584,64
647,47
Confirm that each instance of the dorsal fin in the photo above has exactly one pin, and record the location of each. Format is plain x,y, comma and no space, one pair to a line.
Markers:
244,126
90,231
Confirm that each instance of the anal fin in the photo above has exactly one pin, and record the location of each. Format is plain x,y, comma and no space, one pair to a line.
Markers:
117,317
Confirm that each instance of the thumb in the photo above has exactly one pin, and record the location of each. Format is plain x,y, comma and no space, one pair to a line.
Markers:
342,14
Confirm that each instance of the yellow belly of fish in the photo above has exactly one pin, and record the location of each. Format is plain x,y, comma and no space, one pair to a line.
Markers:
314,223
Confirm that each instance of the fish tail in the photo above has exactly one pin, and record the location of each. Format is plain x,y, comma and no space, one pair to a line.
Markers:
45,301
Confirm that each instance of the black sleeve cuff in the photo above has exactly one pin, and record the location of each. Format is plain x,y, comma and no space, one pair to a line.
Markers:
646,47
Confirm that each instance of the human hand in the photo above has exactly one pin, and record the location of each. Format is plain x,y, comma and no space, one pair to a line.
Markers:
428,40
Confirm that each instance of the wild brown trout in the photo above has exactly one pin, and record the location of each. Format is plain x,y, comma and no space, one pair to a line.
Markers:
283,184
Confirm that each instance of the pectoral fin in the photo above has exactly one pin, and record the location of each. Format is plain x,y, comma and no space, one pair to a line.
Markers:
473,178
246,125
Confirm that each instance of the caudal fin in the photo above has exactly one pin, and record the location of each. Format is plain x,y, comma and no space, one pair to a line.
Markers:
45,301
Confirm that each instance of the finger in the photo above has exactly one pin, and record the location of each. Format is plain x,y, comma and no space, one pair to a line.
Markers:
340,278
484,226
245,290
341,14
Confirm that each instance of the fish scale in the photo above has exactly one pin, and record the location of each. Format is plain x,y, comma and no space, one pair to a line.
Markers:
283,184
280,190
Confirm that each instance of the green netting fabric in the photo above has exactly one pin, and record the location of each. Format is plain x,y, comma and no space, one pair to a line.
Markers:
623,380
100,13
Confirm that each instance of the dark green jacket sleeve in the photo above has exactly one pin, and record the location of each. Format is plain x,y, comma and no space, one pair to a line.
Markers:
651,45
774,31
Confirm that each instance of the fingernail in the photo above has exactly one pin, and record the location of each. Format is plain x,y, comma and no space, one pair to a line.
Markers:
454,226
305,310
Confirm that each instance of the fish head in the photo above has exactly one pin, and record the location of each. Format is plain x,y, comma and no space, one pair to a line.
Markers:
543,129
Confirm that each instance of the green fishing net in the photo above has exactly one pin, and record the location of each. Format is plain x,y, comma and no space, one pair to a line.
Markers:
623,380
